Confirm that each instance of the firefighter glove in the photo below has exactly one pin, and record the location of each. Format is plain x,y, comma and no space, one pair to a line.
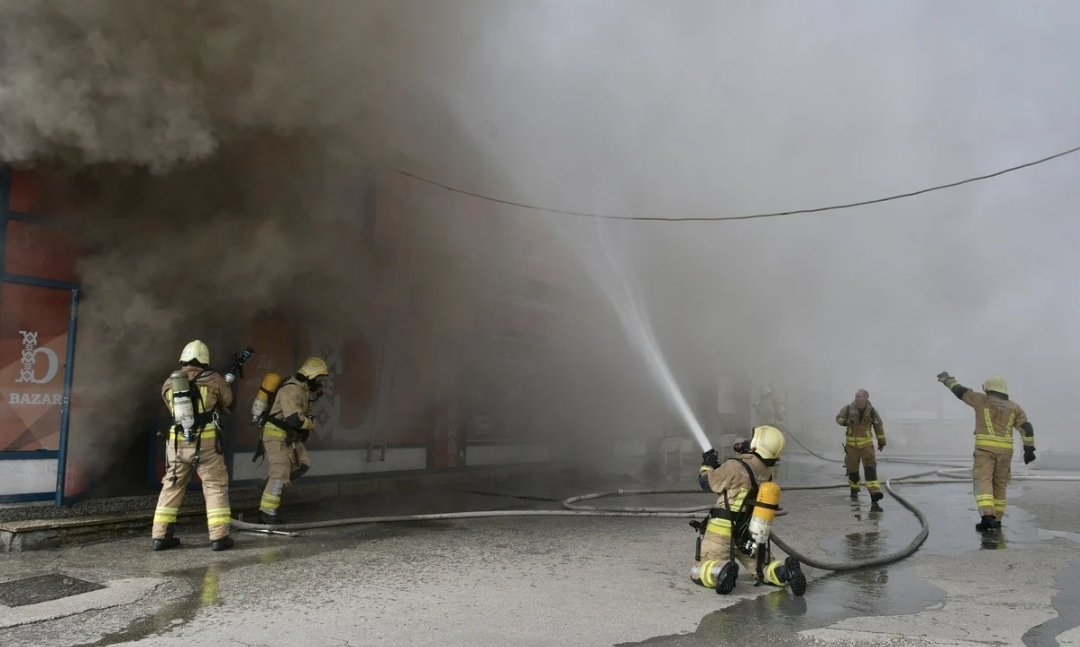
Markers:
1029,454
944,377
711,458
880,445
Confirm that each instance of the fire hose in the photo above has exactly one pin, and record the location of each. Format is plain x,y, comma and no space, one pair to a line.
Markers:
573,509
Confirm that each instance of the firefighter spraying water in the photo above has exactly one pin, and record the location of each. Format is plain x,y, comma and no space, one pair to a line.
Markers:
738,528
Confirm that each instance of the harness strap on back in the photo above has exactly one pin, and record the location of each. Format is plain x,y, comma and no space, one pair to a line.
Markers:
749,473
731,539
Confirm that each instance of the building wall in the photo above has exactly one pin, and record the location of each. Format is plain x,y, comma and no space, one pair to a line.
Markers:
38,295
441,306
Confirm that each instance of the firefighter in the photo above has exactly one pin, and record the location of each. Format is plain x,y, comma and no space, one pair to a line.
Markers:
860,417
286,430
995,418
194,445
770,409
736,482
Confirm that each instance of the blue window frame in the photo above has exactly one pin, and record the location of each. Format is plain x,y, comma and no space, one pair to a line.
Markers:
59,455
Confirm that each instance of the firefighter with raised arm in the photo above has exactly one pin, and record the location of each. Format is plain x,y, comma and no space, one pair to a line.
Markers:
737,528
995,418
287,427
196,396
863,424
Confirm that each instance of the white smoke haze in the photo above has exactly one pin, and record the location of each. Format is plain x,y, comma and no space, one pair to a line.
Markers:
233,126
697,109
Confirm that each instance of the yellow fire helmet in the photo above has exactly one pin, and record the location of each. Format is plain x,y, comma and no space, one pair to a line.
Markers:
996,383
768,442
313,367
196,351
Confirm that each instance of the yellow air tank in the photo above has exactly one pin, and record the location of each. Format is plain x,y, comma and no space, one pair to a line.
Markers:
765,507
261,406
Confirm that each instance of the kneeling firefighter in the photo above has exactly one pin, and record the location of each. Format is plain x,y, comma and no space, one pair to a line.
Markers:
195,395
738,527
285,430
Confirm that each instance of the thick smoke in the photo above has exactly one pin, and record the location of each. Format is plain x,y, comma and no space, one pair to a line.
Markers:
210,149
212,144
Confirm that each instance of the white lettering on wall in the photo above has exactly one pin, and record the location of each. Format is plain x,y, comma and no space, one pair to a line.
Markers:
40,399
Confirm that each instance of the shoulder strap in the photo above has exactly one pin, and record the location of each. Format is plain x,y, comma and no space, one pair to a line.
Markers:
205,417
749,472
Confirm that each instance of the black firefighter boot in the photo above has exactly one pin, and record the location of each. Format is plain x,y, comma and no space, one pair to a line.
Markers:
988,523
225,543
725,581
168,541
791,573
269,519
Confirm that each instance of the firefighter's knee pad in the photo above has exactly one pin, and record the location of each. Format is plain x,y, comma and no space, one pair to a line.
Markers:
298,472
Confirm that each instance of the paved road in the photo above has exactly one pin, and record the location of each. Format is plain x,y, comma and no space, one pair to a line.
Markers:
558,581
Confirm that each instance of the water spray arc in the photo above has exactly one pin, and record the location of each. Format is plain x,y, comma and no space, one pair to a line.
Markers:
619,285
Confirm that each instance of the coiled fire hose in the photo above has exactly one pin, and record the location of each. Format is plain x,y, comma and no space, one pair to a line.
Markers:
572,509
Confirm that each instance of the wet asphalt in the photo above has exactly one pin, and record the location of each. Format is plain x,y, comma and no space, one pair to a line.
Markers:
594,581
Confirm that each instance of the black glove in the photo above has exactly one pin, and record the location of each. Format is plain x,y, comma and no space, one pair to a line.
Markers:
741,447
1029,454
711,458
303,434
944,377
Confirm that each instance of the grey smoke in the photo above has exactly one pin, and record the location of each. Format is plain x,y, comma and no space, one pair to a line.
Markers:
236,134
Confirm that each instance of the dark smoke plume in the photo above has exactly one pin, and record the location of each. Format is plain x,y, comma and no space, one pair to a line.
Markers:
208,148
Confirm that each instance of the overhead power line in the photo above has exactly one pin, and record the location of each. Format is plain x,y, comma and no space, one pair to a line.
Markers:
774,214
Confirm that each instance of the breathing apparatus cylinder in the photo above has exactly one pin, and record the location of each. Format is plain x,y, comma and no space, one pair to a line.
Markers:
768,500
183,408
259,407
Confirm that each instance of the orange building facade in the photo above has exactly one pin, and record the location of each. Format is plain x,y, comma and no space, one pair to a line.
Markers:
422,382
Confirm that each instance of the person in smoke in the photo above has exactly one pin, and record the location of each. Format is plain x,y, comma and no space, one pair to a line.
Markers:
287,428
860,417
995,418
200,451
736,481
771,411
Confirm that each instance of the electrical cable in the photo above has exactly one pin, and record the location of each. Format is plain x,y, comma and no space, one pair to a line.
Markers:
774,214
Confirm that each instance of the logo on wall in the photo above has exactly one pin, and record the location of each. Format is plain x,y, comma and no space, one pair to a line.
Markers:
28,374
